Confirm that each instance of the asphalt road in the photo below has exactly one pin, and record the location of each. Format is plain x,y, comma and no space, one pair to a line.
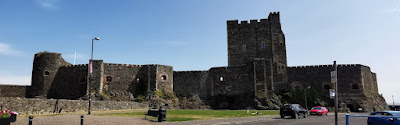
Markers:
258,120
313,120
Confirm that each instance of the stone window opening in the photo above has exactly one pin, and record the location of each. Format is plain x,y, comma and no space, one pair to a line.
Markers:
281,44
355,86
46,73
163,77
109,78
221,78
244,47
263,45
327,87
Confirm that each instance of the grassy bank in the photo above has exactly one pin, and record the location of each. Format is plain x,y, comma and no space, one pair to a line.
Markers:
188,115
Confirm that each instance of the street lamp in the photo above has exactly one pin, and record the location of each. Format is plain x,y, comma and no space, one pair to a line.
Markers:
91,76
305,95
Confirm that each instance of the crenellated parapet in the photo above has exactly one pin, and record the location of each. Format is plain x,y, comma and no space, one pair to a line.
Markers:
327,66
76,66
272,18
194,71
125,65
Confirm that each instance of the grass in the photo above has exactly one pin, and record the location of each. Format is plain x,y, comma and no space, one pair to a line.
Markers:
189,115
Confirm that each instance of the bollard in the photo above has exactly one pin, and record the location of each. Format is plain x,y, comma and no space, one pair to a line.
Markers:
81,119
347,119
30,120
160,115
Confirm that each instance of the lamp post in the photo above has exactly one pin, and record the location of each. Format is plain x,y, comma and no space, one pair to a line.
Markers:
91,76
305,95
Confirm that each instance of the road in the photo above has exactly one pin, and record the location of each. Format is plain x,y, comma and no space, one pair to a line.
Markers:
313,120
259,120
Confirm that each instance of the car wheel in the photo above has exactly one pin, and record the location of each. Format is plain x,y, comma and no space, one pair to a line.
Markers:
326,114
369,123
282,116
305,115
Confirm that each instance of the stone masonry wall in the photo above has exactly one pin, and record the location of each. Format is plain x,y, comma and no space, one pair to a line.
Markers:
26,106
12,91
45,68
189,83
120,81
258,39
236,80
69,82
356,83
165,78
231,87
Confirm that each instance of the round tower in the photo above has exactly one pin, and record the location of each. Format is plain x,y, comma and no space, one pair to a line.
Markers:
45,68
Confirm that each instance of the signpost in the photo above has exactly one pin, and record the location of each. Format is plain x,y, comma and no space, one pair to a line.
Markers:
334,91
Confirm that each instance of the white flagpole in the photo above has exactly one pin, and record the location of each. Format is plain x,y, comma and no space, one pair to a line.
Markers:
75,57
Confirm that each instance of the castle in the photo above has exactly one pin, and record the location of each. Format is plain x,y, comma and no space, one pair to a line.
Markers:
257,69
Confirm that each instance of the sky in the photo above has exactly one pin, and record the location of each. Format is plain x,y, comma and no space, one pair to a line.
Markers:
191,34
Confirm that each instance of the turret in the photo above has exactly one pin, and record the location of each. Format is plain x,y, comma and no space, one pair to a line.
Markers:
45,68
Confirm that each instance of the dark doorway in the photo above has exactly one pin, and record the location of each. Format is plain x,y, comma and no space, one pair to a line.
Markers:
351,107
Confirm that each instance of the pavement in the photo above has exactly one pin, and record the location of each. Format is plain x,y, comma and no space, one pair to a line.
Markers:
258,120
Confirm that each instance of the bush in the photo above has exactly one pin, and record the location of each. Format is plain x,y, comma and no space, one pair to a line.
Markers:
140,99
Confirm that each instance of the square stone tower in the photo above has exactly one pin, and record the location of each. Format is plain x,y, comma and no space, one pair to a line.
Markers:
262,39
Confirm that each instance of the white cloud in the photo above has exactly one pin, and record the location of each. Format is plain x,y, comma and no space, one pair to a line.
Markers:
48,4
393,10
6,49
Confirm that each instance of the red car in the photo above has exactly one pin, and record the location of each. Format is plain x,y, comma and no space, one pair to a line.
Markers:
319,110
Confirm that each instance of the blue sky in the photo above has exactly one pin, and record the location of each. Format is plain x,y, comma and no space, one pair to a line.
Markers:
191,35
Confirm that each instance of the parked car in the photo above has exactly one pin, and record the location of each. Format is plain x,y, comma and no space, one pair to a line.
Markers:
293,110
318,110
384,118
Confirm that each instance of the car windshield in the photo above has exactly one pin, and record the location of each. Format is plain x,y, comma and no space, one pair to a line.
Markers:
316,108
395,113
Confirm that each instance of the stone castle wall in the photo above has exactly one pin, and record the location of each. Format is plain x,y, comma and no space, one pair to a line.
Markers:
69,82
356,83
55,78
257,68
220,87
165,78
258,39
121,82
25,106
190,83
12,91
45,68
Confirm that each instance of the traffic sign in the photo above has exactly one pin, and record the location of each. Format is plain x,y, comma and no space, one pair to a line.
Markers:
331,93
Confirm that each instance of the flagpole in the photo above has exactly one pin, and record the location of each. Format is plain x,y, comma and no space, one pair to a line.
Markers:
75,57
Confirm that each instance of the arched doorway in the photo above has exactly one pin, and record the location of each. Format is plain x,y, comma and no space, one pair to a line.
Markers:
351,107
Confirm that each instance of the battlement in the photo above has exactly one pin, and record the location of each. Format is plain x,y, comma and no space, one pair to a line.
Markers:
78,65
133,65
193,71
326,66
272,18
155,65
117,64
246,22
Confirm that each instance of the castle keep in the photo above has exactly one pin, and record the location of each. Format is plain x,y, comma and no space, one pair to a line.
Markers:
257,70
